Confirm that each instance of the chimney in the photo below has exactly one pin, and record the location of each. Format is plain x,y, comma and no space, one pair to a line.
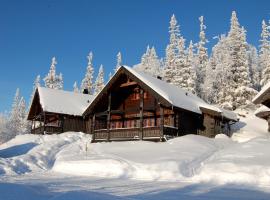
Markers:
85,91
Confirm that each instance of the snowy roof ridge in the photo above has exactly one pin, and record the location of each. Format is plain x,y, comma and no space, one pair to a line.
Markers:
261,93
63,102
179,97
262,109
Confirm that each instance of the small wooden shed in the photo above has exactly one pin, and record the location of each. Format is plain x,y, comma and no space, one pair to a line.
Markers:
57,111
135,105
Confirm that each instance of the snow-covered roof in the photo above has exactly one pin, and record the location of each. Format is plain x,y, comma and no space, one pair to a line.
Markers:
179,97
262,109
258,98
63,102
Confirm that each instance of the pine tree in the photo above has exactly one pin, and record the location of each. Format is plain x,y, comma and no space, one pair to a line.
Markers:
191,74
52,80
75,87
216,72
87,82
172,51
253,65
99,83
150,63
118,61
36,84
17,122
202,56
264,54
23,123
232,78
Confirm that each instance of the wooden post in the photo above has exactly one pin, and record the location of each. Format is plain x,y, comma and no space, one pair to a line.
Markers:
35,125
141,113
161,121
44,121
93,128
109,116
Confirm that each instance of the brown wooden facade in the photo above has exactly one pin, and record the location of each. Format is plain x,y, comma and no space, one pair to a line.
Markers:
128,109
44,122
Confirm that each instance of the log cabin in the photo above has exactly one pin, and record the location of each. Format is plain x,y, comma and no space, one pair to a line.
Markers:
136,106
56,111
263,97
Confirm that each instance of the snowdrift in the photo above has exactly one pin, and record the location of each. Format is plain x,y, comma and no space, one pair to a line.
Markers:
244,158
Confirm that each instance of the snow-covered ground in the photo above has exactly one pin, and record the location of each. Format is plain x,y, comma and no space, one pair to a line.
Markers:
68,166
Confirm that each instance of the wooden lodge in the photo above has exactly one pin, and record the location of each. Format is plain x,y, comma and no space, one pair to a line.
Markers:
58,111
136,106
263,97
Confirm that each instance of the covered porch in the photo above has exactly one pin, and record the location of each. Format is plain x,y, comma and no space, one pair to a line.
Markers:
47,123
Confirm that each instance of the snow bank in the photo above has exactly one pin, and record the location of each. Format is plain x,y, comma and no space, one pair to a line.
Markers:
174,160
244,158
27,153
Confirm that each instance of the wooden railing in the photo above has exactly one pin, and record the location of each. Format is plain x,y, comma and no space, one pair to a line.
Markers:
47,130
133,133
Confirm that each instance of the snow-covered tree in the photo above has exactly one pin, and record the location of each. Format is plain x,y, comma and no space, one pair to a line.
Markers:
150,63
17,123
264,53
253,65
99,83
75,87
202,58
190,73
118,61
215,80
4,134
229,59
87,82
172,51
36,84
110,75
52,80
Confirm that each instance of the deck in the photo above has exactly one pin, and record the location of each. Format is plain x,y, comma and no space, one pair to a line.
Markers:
47,130
148,133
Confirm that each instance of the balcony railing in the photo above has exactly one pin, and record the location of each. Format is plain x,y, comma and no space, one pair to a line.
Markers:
134,133
47,130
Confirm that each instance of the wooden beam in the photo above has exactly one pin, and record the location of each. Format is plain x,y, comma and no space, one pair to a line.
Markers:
128,84
44,121
141,113
161,122
109,116
93,128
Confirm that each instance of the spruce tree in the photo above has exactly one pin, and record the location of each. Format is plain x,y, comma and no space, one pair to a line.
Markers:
87,82
52,80
150,63
75,87
264,54
99,83
170,68
202,57
118,61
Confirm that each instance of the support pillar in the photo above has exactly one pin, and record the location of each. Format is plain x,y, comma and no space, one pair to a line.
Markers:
161,122
109,117
93,128
141,113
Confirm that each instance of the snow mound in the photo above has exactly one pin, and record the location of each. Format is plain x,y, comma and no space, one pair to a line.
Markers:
244,158
27,153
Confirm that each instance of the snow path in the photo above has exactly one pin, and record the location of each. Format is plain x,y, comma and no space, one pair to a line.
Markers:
51,186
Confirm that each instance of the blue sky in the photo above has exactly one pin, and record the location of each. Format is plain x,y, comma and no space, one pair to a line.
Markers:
33,31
